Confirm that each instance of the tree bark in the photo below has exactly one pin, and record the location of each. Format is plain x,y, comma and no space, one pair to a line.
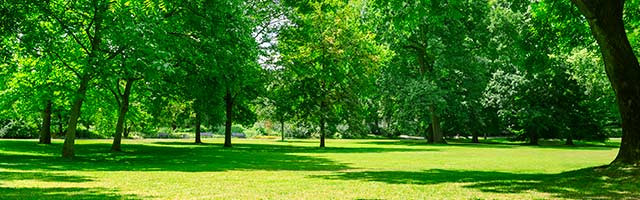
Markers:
435,125
69,141
198,140
282,128
623,70
228,99
533,138
474,137
122,112
45,130
174,126
569,140
376,126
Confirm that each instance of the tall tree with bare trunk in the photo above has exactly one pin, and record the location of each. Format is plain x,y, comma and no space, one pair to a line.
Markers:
623,70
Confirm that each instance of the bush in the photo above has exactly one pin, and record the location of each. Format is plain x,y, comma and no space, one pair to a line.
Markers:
302,130
17,129
136,135
86,134
271,137
236,129
182,135
262,131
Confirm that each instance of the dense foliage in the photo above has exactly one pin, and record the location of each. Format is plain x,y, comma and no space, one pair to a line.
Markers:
437,69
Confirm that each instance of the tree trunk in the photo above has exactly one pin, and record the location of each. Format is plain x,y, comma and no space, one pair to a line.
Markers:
282,128
127,129
474,138
429,133
569,140
435,125
533,138
74,114
198,140
322,132
228,99
45,130
92,57
376,126
60,124
623,70
124,108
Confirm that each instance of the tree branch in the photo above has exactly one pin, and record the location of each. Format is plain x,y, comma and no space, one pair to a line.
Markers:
115,95
67,30
66,65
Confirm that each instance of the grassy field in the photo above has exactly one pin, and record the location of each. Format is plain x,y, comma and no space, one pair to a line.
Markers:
347,169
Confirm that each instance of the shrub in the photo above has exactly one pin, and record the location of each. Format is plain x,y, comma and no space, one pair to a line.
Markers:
17,129
266,137
236,129
86,134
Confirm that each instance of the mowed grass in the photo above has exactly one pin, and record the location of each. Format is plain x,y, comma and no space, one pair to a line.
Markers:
297,169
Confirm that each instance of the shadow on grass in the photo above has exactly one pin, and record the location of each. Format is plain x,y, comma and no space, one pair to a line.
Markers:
54,193
497,144
61,193
42,176
174,156
283,148
589,183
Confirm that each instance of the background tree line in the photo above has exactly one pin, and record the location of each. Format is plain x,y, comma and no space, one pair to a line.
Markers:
330,68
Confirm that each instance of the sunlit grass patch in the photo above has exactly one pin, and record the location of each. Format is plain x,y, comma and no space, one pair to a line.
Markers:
298,169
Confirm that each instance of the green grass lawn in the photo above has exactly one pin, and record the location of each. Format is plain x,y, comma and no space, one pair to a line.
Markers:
346,169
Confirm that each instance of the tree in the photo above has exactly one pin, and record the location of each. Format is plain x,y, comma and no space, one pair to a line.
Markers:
135,36
278,104
329,51
87,47
35,79
443,73
623,70
216,56
85,41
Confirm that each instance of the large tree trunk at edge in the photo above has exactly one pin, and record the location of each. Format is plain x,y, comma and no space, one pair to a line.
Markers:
623,70
198,140
70,137
435,125
228,99
45,130
122,112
